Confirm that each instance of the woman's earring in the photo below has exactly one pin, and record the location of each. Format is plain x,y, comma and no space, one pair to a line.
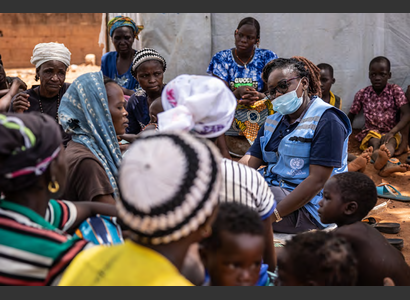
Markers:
53,186
206,231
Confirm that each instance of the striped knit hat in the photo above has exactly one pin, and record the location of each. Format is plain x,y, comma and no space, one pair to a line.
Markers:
142,56
169,185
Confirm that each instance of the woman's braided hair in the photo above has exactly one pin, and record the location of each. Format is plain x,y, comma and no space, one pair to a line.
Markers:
300,65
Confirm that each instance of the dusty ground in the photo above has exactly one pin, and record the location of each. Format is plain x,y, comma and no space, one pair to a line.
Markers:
394,211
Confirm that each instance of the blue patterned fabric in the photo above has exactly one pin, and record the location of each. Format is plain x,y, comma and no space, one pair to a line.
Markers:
224,66
84,113
109,69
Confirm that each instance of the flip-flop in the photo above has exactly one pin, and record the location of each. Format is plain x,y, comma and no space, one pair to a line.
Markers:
388,191
385,227
397,243
408,160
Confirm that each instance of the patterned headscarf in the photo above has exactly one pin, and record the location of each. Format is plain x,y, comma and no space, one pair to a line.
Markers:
120,21
28,144
84,112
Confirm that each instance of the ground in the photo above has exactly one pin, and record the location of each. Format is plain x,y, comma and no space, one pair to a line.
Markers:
394,211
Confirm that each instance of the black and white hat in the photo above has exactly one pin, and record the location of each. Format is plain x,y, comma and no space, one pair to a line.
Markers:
169,184
144,55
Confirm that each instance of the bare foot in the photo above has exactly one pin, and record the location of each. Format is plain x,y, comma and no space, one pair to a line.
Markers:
393,168
383,155
402,149
360,162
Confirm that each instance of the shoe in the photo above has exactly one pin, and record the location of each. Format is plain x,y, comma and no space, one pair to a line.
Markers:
388,191
385,227
397,243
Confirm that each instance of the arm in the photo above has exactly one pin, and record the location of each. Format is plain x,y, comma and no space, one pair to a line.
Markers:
351,118
269,255
404,120
14,89
305,191
87,209
251,161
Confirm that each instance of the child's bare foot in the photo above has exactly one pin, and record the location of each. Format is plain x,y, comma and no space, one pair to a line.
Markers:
360,162
383,155
402,149
392,168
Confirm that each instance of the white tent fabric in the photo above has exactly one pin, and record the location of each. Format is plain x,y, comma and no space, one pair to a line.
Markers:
347,41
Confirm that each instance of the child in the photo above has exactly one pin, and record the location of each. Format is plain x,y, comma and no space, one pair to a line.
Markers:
326,82
381,103
316,258
154,109
232,255
348,198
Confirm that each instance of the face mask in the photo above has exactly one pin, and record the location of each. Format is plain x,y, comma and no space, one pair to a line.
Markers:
288,103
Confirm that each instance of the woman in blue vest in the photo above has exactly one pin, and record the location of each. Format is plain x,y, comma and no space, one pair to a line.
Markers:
300,146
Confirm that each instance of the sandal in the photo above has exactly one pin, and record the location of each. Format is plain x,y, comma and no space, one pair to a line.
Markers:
397,243
388,191
385,227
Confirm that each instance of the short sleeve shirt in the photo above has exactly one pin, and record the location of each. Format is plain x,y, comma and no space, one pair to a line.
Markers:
223,65
381,112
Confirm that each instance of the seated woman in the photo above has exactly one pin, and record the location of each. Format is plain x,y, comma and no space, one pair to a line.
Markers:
93,112
36,244
301,146
51,61
148,68
117,64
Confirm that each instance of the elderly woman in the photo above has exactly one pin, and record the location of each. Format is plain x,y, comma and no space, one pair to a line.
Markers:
148,68
93,111
169,201
35,241
51,61
117,64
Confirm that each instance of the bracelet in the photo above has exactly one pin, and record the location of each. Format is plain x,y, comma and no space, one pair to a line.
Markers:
278,218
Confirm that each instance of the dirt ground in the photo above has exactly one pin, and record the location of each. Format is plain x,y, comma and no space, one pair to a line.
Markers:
393,211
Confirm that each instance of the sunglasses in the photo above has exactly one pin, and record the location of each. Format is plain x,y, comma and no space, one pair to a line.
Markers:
281,87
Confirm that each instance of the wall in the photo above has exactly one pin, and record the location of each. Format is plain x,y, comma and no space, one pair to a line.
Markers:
20,32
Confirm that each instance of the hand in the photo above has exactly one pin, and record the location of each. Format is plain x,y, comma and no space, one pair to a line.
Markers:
247,95
21,103
129,137
386,138
21,84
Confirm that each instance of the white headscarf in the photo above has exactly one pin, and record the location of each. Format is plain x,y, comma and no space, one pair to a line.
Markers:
44,52
203,104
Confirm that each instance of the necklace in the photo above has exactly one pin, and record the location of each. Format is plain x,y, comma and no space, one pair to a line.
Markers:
41,105
249,59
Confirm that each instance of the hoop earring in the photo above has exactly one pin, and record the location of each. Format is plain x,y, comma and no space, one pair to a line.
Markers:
206,232
53,187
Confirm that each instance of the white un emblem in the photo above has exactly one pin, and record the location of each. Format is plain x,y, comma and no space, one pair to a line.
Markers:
297,163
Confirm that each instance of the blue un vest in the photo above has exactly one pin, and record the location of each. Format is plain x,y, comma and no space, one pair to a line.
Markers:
290,165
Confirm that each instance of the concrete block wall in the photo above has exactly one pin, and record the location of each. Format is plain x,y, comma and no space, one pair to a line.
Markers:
20,32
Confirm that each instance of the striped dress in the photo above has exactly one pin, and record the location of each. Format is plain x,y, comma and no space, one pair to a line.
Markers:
34,251
246,185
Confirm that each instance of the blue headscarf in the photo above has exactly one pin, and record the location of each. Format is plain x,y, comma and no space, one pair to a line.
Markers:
84,113
120,21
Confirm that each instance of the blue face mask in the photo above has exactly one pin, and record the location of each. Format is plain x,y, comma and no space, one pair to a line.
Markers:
288,103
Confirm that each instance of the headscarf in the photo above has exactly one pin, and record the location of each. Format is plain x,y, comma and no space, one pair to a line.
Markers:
84,113
28,143
202,104
169,183
144,55
120,21
44,52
